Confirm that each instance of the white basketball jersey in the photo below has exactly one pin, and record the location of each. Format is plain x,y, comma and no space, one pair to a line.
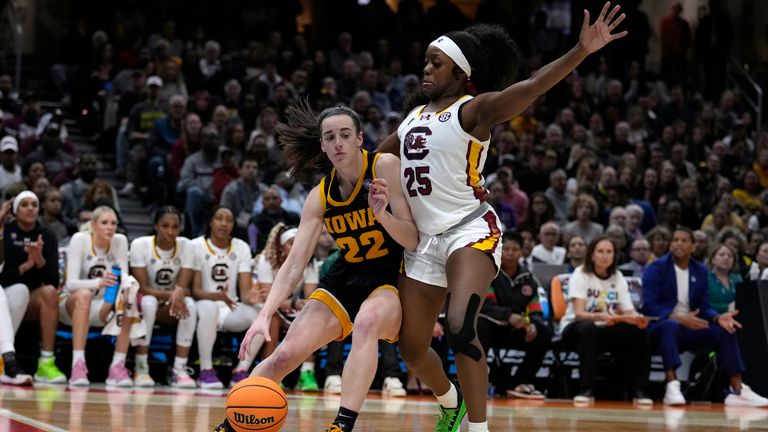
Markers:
440,165
218,268
86,263
163,266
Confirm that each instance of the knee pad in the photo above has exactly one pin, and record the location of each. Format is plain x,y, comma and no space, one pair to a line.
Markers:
461,341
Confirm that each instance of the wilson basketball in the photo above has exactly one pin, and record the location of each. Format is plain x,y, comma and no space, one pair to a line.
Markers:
256,404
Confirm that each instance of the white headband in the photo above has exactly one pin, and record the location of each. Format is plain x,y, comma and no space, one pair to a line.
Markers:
449,47
287,235
22,196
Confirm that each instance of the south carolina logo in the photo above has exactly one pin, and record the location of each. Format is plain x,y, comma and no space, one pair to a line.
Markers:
444,117
415,143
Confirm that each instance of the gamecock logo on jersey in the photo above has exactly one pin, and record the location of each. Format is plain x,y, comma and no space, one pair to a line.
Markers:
219,272
415,143
164,277
96,271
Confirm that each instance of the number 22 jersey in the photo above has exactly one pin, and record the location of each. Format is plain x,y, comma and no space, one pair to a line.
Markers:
367,250
440,166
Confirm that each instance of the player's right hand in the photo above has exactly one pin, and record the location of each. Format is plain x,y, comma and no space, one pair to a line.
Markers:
260,326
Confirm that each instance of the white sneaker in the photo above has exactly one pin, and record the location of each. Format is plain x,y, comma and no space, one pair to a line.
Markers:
143,379
393,387
332,384
673,396
746,398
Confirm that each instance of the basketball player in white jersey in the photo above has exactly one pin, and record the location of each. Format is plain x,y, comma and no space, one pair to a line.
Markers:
221,285
156,264
442,146
91,292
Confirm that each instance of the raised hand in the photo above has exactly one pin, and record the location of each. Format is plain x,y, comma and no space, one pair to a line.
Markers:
5,211
595,36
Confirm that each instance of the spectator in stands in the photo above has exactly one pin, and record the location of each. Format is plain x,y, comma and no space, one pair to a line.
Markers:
639,252
700,245
58,163
156,263
503,210
52,218
692,212
196,181
750,196
188,143
265,126
40,187
754,239
675,289
91,291
240,193
25,123
271,214
100,193
577,252
547,250
723,277
225,174
540,212
659,238
600,316
512,317
513,196
140,123
559,196
73,192
269,166
29,257
162,137
634,220
221,286
10,171
31,171
585,209
757,270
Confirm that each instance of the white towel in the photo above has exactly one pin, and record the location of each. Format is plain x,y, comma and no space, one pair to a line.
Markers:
126,307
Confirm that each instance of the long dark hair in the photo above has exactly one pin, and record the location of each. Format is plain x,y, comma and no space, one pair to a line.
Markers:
300,137
210,217
166,210
589,265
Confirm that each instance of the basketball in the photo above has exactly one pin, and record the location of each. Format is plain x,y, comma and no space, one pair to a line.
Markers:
256,404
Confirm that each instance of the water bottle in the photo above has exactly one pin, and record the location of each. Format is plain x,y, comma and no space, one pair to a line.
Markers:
110,295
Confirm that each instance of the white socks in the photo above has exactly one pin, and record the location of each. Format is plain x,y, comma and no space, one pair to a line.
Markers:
308,366
117,358
450,399
179,362
78,355
478,427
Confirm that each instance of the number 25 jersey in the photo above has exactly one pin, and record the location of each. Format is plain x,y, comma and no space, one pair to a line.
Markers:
440,165
363,241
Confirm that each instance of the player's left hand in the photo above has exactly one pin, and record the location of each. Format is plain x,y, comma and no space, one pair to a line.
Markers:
595,36
378,196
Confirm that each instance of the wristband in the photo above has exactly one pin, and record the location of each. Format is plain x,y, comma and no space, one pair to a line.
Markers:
714,318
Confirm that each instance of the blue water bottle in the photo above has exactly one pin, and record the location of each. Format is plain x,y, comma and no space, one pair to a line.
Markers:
110,295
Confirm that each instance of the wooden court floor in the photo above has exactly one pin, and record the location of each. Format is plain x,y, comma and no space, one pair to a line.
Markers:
165,409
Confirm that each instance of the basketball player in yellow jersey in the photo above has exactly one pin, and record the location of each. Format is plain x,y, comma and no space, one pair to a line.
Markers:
369,220
443,145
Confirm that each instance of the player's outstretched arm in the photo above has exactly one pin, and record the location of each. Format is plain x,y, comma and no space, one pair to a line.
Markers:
292,270
496,107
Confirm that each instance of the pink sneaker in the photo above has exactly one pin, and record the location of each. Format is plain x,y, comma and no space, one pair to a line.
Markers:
119,376
79,377
180,378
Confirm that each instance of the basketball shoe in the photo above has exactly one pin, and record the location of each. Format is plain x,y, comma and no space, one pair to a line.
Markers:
450,418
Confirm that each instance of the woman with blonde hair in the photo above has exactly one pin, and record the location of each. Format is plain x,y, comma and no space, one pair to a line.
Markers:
97,264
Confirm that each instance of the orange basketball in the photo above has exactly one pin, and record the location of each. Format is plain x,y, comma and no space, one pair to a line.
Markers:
256,404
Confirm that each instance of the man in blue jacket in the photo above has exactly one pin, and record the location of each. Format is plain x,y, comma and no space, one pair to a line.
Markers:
675,290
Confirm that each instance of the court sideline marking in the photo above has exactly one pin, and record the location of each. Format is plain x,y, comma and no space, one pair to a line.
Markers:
30,421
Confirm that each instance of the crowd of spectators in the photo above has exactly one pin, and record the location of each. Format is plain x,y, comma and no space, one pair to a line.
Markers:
616,151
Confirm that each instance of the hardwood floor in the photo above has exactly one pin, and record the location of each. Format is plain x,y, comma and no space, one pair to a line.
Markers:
164,409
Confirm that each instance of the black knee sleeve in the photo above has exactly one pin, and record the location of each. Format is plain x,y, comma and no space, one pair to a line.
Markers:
461,342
